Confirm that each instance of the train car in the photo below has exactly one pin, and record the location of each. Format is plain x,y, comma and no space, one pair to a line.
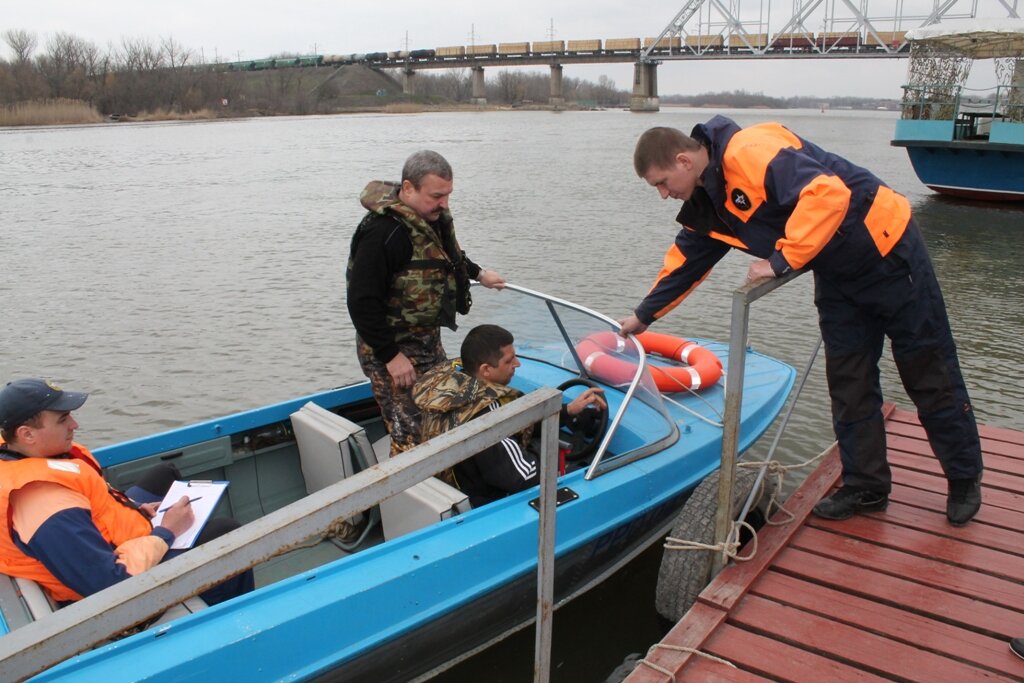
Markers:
481,50
701,42
621,44
422,54
244,65
285,62
838,40
549,46
666,43
513,48
311,60
263,64
793,41
451,51
584,46
757,41
892,39
376,56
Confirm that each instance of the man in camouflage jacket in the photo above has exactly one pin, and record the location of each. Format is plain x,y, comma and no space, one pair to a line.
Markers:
406,277
452,394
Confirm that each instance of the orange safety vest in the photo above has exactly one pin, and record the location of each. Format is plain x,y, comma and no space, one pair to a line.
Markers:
116,521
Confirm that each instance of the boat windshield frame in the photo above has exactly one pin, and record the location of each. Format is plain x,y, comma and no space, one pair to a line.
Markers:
599,465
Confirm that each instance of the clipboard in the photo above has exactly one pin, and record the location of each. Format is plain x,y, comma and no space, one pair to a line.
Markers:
204,496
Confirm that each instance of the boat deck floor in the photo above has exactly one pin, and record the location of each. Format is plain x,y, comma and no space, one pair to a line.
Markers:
899,595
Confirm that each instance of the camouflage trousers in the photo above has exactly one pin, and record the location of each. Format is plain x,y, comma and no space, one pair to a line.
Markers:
400,414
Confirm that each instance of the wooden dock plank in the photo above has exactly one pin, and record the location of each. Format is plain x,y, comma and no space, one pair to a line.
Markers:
899,595
989,496
991,619
901,416
979,533
853,646
989,515
951,551
995,446
891,622
777,660
957,580
993,478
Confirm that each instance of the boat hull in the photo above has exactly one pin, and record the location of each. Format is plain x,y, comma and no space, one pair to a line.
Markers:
418,603
990,172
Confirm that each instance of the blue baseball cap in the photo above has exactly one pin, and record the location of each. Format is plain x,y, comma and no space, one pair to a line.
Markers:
22,399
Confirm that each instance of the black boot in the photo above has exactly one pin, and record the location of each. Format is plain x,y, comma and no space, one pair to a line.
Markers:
846,502
964,500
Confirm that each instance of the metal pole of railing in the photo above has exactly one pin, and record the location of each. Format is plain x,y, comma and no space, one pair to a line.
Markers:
37,646
546,549
741,300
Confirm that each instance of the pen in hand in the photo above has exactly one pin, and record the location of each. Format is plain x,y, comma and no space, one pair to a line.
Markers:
190,500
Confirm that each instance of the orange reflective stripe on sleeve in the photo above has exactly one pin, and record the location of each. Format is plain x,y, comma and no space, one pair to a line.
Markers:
887,219
728,239
746,162
674,259
818,214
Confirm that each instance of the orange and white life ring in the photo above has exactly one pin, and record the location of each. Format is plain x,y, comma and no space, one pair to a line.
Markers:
702,369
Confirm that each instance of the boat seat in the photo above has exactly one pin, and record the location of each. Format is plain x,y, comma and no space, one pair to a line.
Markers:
420,505
39,604
332,448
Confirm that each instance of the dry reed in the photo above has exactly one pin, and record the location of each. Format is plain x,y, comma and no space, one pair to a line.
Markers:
48,112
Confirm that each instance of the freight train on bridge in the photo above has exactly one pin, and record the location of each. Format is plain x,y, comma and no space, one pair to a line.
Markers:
611,49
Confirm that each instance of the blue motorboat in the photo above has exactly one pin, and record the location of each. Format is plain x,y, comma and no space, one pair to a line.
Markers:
433,582
965,142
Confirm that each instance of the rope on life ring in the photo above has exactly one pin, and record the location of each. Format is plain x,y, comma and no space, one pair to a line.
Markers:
702,369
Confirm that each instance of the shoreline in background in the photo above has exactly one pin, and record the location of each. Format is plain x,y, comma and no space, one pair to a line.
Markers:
76,112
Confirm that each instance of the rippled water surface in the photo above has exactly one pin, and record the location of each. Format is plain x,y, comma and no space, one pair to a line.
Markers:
184,271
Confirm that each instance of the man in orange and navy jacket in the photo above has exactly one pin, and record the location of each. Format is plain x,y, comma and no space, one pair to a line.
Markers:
772,194
64,526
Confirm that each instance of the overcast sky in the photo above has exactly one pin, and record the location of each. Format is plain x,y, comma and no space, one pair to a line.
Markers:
231,29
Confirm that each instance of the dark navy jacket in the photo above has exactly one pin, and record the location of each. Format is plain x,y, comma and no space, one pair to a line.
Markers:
779,197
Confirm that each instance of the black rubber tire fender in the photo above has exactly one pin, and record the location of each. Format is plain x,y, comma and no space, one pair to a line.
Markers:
685,573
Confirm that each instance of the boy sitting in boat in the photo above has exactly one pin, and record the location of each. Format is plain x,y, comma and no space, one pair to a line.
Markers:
454,393
68,529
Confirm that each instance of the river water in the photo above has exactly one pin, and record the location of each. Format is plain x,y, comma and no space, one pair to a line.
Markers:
182,271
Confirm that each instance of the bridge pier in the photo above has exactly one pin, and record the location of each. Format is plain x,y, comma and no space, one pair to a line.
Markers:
478,94
645,87
408,82
556,98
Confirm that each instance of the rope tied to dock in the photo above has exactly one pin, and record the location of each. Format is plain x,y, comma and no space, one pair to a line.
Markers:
729,548
776,469
679,648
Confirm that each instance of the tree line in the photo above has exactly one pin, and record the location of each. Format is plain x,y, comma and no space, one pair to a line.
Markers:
138,75
134,75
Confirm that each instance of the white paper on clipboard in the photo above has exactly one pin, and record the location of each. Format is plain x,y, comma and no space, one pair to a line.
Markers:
204,496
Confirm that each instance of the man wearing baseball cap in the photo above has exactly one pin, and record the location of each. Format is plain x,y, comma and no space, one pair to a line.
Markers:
67,528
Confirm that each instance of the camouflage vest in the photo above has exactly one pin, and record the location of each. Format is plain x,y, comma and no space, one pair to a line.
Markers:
434,286
448,397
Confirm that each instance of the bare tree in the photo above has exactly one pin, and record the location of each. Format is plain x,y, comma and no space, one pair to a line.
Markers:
21,80
65,66
22,43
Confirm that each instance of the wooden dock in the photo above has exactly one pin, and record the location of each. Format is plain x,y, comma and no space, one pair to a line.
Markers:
899,595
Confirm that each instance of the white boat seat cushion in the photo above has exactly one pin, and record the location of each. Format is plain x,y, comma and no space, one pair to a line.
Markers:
418,506
326,442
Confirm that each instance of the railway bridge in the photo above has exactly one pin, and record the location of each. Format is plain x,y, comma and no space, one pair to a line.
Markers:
701,29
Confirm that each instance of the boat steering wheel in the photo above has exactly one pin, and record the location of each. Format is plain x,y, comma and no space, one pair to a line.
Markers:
584,438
